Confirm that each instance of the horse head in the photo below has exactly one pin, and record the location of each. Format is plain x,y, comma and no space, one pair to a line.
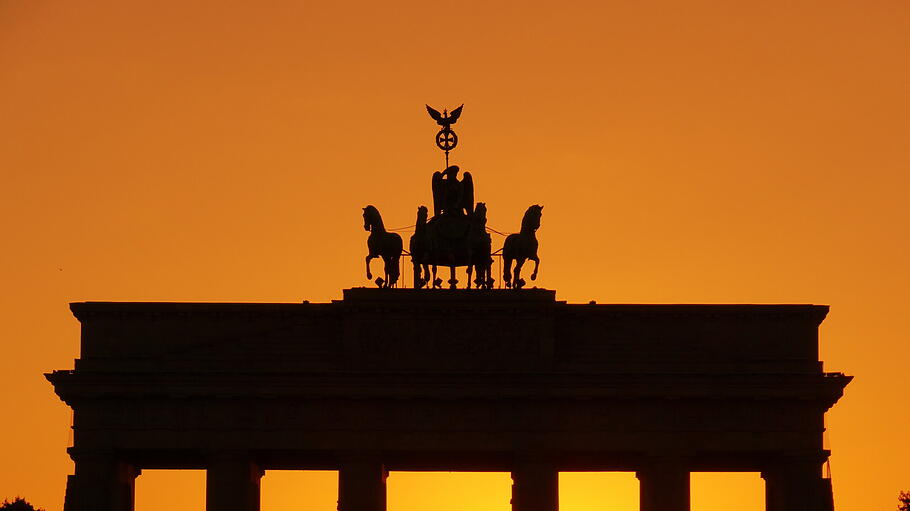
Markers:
422,215
531,220
480,211
479,219
371,218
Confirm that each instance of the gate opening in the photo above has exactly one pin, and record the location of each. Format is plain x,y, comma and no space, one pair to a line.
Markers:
598,491
293,490
166,490
723,491
449,491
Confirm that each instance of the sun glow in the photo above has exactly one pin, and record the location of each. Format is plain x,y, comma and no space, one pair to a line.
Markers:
316,490
685,152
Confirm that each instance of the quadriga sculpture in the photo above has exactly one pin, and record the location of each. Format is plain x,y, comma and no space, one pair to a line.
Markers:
381,243
522,246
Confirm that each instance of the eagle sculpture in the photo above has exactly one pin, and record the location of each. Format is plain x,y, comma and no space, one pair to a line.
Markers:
451,196
445,119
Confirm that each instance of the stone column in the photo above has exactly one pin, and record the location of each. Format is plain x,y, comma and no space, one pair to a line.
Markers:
361,482
101,483
232,484
535,484
774,490
794,485
664,485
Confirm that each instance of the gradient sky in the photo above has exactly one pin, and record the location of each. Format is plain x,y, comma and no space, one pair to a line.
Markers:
685,152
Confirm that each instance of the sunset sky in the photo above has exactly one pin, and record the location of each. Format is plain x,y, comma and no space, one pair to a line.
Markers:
684,151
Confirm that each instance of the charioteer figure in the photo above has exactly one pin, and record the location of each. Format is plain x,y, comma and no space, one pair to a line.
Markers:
449,232
452,196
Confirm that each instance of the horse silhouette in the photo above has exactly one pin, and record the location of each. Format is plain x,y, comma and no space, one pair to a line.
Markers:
381,243
420,249
522,246
481,247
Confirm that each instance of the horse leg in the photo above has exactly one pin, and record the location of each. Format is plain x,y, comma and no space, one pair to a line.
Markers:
452,280
426,274
507,271
369,275
536,265
393,270
417,277
470,272
518,283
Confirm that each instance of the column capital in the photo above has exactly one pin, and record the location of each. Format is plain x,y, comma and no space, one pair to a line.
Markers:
662,463
242,459
801,462
534,457
359,455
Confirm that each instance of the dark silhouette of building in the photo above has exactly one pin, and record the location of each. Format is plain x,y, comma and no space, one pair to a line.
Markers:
499,380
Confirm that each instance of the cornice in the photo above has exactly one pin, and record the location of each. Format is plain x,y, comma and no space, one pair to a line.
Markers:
86,310
391,304
74,386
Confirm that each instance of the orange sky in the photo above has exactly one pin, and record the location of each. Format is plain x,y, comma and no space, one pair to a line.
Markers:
685,151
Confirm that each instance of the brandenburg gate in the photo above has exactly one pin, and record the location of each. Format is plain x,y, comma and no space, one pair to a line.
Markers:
448,379
436,379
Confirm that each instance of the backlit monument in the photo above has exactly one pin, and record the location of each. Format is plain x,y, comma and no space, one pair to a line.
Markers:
447,379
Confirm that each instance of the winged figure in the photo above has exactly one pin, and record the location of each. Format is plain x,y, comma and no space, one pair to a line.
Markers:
445,119
451,196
